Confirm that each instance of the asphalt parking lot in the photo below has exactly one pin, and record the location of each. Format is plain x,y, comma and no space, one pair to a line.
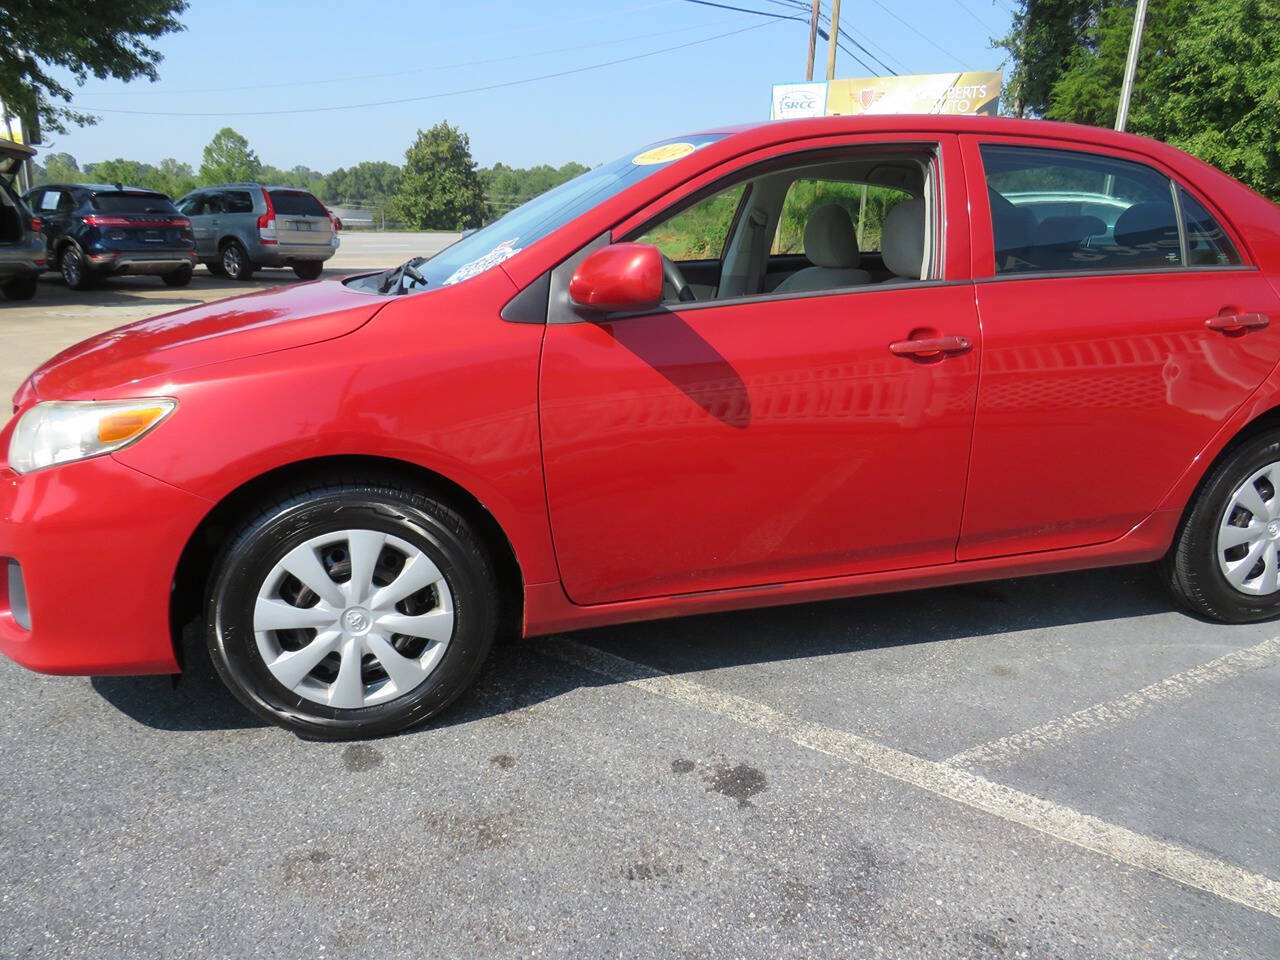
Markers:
1062,766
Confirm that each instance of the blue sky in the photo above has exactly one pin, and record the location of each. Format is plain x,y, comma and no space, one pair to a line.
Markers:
274,52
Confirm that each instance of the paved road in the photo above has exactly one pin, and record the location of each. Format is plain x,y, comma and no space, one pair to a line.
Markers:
32,332
1056,767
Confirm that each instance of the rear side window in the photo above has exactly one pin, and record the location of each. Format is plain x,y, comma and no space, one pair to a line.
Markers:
237,201
1207,243
296,203
1067,211
132,203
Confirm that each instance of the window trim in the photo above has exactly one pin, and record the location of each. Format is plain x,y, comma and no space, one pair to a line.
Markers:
971,150
930,151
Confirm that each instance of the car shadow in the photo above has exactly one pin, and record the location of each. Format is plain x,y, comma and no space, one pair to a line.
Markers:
519,676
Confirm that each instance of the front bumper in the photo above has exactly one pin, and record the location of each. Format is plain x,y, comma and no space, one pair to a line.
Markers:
97,544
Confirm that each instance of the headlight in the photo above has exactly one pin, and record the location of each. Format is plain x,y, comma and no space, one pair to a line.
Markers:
62,431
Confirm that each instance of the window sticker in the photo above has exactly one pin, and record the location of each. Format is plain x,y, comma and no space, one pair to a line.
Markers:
663,154
503,251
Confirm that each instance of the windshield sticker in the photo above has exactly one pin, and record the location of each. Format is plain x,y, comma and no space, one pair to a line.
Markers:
503,251
663,154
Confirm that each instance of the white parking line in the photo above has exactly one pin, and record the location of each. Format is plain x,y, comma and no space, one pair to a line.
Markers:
1063,823
1123,709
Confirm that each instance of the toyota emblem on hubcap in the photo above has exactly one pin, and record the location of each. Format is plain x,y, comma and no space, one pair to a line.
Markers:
356,620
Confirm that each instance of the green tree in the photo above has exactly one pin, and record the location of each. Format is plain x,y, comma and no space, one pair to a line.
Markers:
439,188
229,159
1208,81
174,177
507,187
82,37
59,168
1044,37
370,182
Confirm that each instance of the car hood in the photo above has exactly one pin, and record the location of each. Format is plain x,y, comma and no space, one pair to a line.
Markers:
233,329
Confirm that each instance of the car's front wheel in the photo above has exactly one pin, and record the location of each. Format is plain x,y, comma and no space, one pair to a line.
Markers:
351,610
1225,561
20,288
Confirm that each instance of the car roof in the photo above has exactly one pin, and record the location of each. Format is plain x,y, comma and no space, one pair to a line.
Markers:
96,188
938,122
248,186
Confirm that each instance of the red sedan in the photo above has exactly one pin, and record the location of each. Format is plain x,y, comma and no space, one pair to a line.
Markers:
775,363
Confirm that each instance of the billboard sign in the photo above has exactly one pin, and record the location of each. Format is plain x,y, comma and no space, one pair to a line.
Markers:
794,100
964,92
968,92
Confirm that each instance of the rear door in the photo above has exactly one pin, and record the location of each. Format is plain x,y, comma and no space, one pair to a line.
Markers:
1106,366
301,220
51,205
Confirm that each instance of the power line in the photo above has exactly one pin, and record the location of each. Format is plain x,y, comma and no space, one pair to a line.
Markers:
436,96
922,36
969,10
783,16
414,70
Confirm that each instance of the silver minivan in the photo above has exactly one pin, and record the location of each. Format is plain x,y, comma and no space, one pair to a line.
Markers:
240,227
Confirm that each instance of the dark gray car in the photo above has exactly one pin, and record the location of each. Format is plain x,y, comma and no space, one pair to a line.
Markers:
240,227
22,250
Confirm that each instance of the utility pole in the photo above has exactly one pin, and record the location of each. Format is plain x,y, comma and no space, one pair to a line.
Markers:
813,39
835,33
1131,64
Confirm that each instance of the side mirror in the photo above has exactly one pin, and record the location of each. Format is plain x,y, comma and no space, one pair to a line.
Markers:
621,276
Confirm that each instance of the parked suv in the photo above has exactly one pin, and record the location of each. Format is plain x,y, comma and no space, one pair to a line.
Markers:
22,256
94,231
241,227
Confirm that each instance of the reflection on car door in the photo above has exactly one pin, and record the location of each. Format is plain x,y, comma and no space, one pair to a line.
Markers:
1100,379
194,208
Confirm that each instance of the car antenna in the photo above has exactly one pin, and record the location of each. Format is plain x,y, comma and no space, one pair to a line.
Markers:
119,185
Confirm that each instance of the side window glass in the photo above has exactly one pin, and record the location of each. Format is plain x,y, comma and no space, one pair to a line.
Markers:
190,207
1069,211
66,201
238,201
1207,243
866,204
48,201
698,232
215,203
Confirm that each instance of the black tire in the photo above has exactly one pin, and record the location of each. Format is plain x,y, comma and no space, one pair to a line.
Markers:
1191,567
235,262
178,278
215,268
75,272
425,524
308,269
20,288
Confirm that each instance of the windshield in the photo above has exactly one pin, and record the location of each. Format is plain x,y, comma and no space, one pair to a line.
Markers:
530,222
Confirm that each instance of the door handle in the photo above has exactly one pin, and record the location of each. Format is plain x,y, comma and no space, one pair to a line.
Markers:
1238,322
930,347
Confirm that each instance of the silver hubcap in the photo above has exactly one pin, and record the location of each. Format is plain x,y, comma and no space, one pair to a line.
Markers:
353,618
231,260
1249,534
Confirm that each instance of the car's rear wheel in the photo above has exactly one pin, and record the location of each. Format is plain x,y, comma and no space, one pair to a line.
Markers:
178,278
20,288
351,610
308,269
235,261
1225,561
75,272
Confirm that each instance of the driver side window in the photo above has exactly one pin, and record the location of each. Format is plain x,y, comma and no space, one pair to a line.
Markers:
699,232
